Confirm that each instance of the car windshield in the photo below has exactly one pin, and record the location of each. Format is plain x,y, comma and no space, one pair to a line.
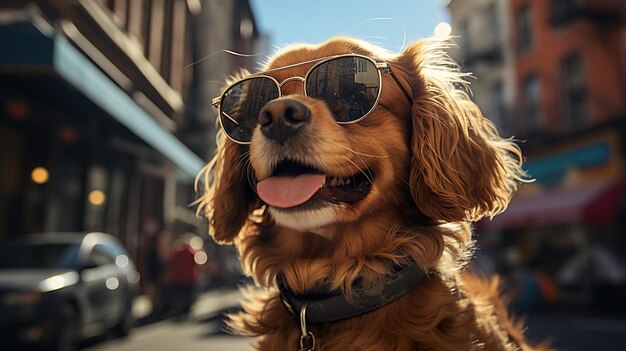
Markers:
49,255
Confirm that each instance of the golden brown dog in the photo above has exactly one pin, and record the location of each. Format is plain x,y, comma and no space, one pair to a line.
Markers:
326,199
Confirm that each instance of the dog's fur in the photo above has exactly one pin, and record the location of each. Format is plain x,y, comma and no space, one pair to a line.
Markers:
437,165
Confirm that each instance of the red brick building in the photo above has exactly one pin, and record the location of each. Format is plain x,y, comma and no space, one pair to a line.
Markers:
570,116
573,52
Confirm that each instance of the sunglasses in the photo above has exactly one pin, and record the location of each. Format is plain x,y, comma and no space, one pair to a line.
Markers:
350,85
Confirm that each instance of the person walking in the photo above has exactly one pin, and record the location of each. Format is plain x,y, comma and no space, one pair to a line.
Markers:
157,270
182,278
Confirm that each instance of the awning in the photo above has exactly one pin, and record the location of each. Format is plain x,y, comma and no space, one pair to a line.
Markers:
590,204
70,64
36,50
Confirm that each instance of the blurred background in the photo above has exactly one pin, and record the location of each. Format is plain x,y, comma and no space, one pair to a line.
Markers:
105,120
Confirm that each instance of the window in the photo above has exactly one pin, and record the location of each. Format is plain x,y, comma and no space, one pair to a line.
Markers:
147,23
564,11
136,19
532,103
38,255
494,23
101,255
166,52
499,106
119,9
105,3
573,93
246,28
361,66
525,29
465,28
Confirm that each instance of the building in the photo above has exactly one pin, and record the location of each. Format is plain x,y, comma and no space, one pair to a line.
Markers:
104,114
482,29
569,112
222,30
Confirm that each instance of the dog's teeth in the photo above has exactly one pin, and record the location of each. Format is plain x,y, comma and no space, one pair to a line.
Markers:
338,181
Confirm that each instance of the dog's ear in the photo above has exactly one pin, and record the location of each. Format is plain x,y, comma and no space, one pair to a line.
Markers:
461,169
228,199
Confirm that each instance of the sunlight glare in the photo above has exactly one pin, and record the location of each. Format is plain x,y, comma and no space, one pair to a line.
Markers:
442,30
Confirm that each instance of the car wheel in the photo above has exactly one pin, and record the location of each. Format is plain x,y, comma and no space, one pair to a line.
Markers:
66,338
126,322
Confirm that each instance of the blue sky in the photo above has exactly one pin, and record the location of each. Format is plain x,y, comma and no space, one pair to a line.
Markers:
387,23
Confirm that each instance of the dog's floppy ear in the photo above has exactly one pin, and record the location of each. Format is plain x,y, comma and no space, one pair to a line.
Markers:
228,198
461,169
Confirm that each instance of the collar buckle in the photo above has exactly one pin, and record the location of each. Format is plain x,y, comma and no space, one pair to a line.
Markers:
306,337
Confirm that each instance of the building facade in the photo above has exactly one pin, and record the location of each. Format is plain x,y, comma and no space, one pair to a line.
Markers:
569,113
104,115
482,32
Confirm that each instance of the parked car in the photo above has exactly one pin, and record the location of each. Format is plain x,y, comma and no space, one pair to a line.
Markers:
57,288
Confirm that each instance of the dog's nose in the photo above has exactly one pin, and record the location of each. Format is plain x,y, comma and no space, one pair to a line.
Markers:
280,119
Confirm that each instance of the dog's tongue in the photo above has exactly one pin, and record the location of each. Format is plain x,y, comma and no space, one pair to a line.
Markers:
286,191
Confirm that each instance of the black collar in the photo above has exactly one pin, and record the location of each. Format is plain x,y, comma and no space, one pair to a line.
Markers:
324,306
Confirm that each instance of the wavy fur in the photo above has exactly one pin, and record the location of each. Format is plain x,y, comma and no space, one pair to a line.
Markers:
436,165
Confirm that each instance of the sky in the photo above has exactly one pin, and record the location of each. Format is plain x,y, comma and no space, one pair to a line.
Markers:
386,23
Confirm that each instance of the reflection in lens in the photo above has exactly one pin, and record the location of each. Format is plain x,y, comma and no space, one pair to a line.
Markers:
241,104
348,85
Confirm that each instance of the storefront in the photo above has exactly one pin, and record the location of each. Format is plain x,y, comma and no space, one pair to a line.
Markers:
568,225
77,152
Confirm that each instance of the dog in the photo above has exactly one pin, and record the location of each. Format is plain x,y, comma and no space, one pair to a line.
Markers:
347,178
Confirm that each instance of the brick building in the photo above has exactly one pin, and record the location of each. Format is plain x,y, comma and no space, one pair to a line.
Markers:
569,113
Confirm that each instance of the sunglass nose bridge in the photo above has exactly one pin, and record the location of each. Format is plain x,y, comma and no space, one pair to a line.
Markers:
291,79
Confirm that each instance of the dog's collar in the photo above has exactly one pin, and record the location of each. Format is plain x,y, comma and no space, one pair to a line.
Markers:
325,306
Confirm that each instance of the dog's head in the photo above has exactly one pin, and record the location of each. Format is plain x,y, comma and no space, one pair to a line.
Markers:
424,153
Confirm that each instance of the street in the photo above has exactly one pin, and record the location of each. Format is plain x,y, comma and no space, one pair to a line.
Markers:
203,331
566,331
169,335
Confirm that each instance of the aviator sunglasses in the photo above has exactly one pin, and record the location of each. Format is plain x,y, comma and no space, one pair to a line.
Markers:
350,85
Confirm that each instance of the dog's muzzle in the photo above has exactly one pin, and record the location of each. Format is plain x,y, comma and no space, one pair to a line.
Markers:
280,119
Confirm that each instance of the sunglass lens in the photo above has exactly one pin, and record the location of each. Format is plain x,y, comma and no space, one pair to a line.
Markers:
241,104
349,86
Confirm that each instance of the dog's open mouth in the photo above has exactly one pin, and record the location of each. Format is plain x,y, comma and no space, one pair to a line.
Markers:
294,186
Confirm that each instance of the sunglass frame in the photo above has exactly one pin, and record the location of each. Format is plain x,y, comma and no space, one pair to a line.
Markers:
380,66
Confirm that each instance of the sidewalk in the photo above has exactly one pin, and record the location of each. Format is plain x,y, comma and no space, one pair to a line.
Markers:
211,302
207,304
202,331
568,330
